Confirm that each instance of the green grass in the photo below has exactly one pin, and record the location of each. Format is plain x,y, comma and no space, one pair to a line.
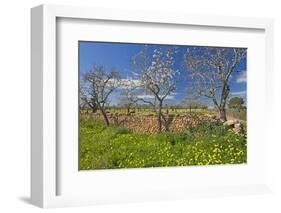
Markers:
104,147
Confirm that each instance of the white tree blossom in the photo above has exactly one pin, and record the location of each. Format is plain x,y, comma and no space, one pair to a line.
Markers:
157,76
210,70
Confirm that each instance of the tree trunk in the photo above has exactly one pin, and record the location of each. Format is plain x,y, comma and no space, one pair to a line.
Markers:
222,114
224,95
104,116
159,117
93,107
166,123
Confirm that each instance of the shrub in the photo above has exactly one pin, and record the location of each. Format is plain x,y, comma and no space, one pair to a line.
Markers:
210,128
121,130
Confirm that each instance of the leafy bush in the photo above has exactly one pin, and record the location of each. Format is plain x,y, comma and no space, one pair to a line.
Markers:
210,128
121,130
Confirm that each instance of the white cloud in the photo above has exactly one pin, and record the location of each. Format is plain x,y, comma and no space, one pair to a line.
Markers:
239,93
242,78
169,97
129,82
135,73
134,83
146,96
126,83
174,93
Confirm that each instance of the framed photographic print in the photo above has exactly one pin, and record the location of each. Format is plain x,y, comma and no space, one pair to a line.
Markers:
130,106
152,105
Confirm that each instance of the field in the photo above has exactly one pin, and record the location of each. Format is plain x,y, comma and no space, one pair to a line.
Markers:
207,142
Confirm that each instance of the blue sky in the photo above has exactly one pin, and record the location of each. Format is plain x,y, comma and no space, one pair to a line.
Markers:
118,56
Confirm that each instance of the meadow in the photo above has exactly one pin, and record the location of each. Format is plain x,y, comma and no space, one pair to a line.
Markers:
114,147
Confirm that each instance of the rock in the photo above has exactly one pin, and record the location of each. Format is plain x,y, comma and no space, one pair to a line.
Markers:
237,125
238,130
212,116
230,123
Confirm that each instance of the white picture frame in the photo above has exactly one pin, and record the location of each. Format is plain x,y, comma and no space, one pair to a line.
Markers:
44,155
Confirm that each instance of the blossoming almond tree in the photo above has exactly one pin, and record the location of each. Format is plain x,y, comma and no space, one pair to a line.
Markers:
157,77
128,95
210,70
97,86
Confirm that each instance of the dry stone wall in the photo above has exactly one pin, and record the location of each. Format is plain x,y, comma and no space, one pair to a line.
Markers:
148,123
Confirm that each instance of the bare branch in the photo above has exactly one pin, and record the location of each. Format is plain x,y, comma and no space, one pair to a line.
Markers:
210,70
98,85
157,75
